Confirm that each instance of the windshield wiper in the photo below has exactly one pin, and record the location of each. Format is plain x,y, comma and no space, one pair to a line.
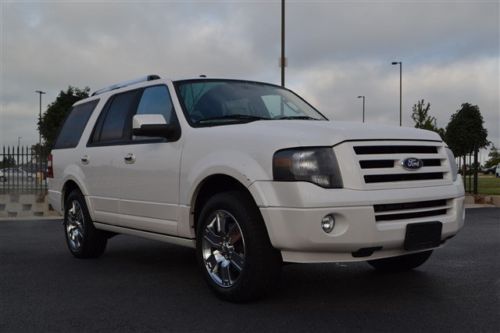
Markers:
232,117
296,117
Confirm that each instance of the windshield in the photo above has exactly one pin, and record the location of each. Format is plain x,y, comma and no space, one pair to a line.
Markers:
215,102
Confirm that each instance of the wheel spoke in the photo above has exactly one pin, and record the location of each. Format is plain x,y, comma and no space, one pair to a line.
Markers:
221,223
237,260
211,262
234,234
224,273
212,238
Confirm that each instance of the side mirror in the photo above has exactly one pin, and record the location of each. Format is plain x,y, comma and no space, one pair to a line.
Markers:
152,125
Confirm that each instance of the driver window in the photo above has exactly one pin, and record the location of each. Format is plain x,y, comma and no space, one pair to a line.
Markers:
155,100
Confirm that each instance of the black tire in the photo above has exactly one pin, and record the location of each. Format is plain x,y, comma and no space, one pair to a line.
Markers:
401,263
82,238
260,262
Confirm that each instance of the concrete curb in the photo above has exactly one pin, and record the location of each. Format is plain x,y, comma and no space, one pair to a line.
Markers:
488,200
31,218
21,205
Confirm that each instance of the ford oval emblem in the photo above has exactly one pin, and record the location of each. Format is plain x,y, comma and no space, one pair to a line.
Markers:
412,163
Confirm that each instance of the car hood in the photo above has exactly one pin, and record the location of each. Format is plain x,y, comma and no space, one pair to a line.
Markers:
328,133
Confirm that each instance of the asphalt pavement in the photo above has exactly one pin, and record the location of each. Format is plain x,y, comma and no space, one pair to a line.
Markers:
146,286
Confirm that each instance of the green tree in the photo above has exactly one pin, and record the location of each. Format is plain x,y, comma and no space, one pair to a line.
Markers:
57,111
465,134
8,162
494,157
422,119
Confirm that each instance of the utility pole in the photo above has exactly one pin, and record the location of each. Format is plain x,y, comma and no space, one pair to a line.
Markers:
400,91
283,58
39,155
40,93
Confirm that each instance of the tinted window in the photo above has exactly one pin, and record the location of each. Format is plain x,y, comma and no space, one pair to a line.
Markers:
114,122
156,100
75,123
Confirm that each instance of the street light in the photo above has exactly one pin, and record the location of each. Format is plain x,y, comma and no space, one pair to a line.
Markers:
400,91
363,97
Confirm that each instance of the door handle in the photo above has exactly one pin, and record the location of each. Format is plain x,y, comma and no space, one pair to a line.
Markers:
130,158
85,159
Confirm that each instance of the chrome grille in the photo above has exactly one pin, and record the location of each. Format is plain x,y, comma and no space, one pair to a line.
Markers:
378,164
411,210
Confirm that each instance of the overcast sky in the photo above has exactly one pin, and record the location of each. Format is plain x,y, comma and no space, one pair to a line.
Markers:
336,51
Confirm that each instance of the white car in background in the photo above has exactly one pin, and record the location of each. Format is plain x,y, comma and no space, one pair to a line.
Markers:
18,174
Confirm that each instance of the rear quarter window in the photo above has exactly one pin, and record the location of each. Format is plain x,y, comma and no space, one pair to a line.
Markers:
73,126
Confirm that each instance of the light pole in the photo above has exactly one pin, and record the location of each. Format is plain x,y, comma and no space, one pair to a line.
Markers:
400,91
363,97
19,141
40,93
283,58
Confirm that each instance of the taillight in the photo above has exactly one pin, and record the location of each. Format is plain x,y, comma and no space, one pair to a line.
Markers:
50,169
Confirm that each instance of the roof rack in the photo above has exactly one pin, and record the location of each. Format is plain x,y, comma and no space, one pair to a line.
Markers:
127,83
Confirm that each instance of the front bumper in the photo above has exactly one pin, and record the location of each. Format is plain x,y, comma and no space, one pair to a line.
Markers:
293,212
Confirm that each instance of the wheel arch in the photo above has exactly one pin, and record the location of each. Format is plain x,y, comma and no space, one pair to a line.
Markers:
71,184
211,185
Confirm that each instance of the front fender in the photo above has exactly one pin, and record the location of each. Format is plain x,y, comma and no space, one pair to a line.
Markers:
235,164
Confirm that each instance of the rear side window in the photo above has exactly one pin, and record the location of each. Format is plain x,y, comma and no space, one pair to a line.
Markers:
73,126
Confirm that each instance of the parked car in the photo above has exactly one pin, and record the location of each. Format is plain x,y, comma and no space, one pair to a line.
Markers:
489,171
15,174
250,175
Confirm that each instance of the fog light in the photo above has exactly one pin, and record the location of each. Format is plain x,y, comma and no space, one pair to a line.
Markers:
328,223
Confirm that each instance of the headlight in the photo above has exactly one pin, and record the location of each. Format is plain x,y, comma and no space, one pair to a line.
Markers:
315,165
453,163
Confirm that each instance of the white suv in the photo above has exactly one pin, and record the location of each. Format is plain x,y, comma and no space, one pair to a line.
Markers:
250,175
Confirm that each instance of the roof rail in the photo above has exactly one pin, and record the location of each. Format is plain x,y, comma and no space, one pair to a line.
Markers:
127,83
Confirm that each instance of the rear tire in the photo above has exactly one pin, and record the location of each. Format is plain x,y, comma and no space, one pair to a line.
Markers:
233,248
82,238
401,263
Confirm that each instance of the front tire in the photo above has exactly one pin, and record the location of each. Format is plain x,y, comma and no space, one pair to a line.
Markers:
233,248
401,263
82,238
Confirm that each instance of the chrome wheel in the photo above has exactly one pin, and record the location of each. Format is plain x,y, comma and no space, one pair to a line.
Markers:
223,248
74,225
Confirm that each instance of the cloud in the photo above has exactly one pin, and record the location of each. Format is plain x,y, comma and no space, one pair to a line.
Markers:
336,51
